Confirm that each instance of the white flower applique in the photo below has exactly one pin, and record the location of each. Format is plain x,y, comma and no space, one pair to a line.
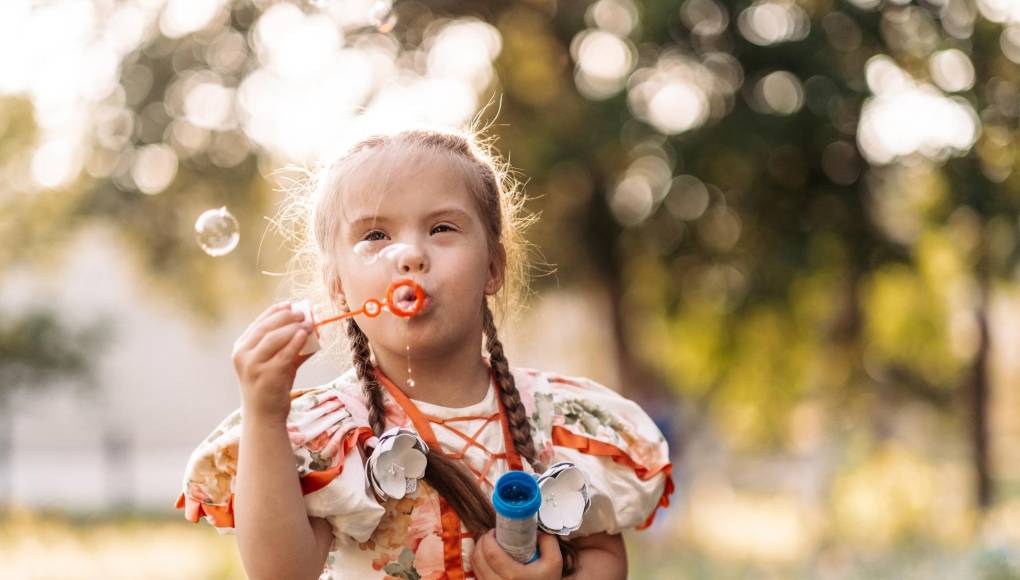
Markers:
564,498
397,463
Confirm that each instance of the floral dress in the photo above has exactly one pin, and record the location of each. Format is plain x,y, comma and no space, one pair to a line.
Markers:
611,439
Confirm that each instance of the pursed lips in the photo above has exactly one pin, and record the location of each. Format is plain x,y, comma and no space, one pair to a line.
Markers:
405,299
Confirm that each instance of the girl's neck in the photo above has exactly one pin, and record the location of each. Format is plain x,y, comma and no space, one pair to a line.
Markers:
457,379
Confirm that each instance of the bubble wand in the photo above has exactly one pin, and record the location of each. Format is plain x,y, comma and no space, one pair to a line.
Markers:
370,308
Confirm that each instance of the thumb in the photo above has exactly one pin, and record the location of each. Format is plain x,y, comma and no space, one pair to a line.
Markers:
549,556
290,351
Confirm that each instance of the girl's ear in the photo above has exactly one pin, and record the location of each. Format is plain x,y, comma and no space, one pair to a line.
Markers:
333,284
497,271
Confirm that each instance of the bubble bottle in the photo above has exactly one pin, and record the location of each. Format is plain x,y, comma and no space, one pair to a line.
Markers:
517,498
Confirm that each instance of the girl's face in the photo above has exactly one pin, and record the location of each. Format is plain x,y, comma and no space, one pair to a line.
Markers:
418,221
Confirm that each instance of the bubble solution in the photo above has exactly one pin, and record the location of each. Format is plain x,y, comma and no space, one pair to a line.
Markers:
517,499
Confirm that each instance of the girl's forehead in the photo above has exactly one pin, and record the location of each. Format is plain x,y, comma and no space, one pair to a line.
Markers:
401,180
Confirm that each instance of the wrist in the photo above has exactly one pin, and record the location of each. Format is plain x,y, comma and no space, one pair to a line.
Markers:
253,416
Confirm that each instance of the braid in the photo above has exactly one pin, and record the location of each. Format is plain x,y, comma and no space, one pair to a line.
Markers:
500,205
363,366
517,421
517,417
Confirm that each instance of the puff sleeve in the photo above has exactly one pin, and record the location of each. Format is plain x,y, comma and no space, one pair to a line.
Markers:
327,430
621,451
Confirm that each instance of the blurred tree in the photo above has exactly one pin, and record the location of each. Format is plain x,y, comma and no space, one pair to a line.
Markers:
36,348
752,184
36,351
769,206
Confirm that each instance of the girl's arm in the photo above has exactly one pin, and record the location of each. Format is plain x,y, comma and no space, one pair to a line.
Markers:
601,556
276,538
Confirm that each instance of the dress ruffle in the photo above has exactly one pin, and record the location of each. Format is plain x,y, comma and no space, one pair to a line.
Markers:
617,445
325,427
611,440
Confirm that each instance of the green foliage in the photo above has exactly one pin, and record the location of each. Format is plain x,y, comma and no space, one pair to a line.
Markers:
804,271
36,348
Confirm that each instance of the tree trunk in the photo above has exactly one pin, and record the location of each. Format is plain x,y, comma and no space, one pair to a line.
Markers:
978,395
6,453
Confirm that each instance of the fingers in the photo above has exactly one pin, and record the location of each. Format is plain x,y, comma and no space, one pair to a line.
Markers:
267,323
271,344
268,311
479,565
549,557
490,561
289,352
482,569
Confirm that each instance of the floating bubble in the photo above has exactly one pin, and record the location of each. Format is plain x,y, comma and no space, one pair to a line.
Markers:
365,251
369,253
393,252
382,16
217,232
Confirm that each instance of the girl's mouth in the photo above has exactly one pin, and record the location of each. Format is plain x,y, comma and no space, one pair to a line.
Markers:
405,299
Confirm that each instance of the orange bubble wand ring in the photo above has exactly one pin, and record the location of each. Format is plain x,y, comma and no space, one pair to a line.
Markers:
372,307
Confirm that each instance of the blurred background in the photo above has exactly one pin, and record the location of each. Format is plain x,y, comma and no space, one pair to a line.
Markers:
786,227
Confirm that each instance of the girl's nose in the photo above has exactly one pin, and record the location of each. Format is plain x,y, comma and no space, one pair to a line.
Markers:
412,261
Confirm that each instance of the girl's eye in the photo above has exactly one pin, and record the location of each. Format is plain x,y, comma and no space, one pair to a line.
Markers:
446,227
373,236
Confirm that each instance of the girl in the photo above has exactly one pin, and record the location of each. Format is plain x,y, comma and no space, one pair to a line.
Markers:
434,207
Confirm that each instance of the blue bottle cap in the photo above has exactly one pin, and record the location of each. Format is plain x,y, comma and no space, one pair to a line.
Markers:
516,495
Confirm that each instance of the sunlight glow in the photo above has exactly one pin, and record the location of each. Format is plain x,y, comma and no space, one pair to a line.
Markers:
906,117
773,21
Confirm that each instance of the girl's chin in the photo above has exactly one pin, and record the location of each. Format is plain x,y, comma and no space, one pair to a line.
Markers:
418,339
425,341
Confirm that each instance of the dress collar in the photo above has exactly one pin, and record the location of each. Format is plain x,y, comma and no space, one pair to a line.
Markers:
423,424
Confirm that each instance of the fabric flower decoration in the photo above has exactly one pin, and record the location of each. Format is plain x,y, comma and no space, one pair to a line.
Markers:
397,463
564,498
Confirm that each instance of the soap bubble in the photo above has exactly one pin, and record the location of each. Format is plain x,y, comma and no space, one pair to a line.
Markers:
393,252
368,251
382,16
217,232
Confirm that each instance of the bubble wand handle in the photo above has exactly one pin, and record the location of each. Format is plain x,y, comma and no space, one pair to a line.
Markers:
372,307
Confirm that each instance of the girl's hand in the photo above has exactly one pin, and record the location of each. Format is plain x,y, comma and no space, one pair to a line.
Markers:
266,360
490,562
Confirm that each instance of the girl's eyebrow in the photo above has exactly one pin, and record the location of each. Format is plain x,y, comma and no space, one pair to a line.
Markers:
448,211
457,212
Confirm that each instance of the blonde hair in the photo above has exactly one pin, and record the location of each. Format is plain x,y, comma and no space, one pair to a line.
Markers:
308,216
